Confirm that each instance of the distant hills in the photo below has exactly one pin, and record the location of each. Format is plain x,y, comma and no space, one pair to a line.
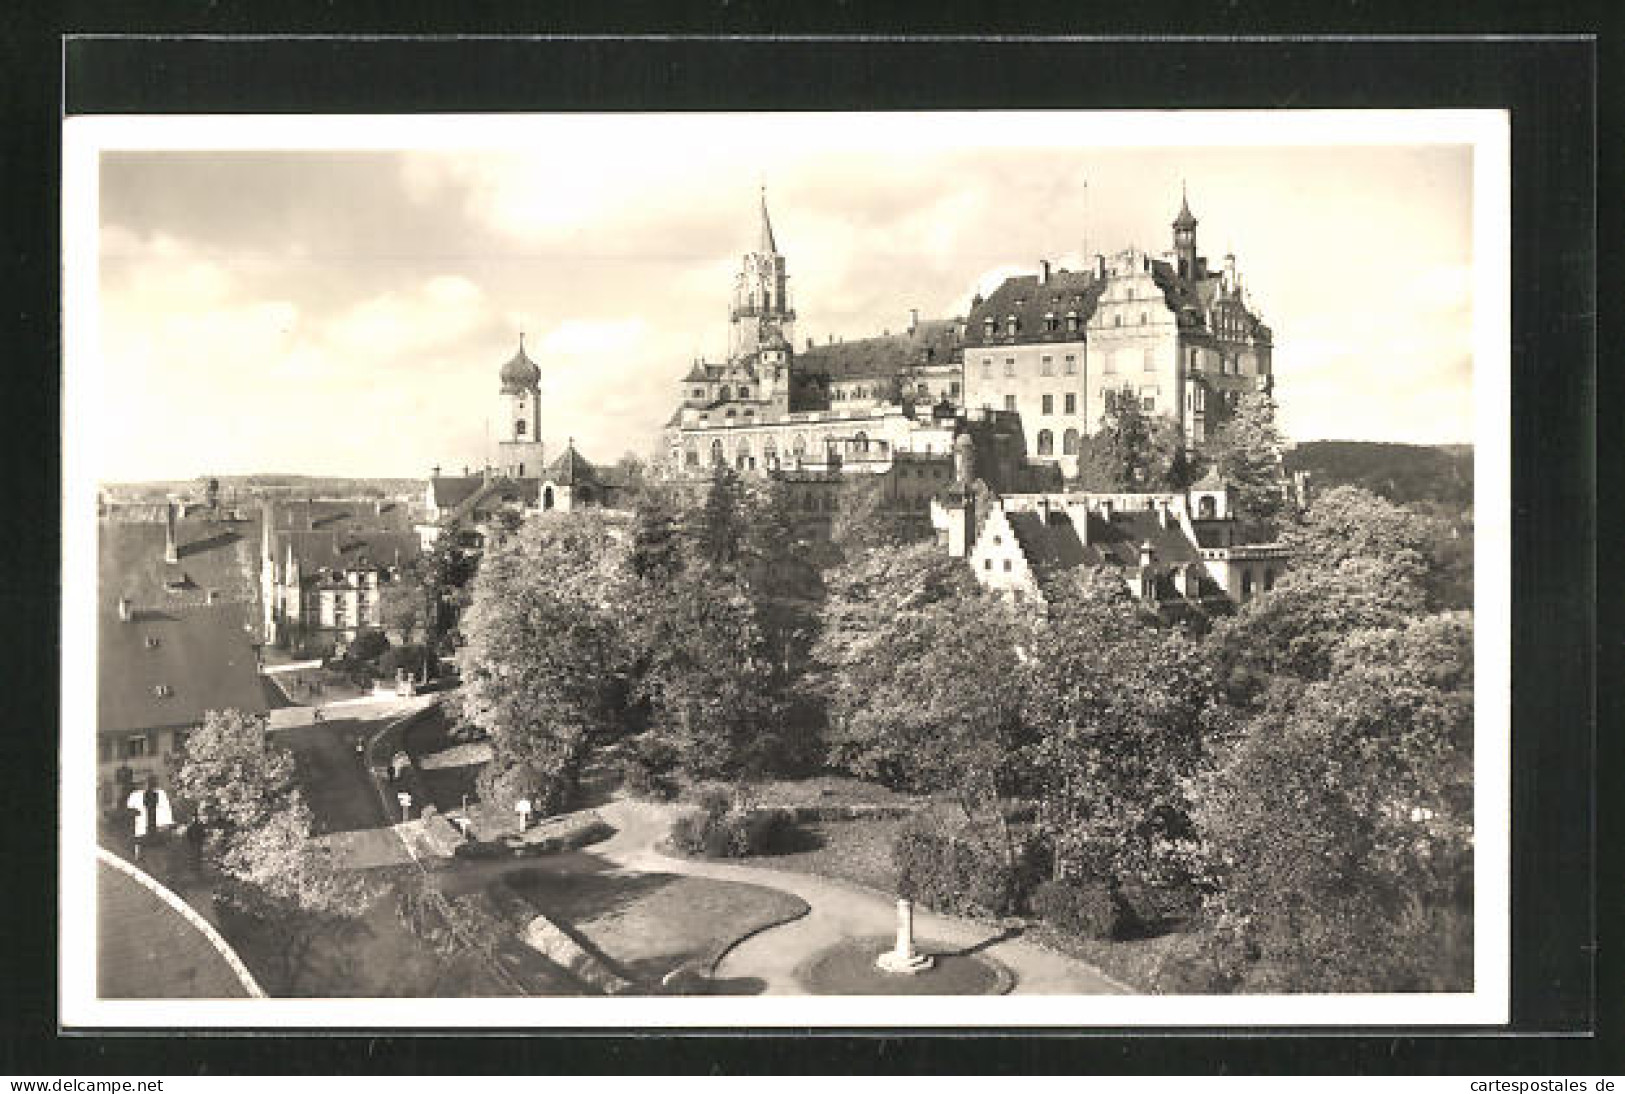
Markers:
1439,475
266,486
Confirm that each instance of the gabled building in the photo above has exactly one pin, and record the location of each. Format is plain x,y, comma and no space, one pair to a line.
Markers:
324,564
1170,548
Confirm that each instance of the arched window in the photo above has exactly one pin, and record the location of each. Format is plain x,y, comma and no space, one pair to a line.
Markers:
1206,508
547,497
1246,584
987,327
770,451
519,428
725,394
1046,443
798,445
1011,325
691,455
744,392
1269,578
1072,322
716,452
861,441
1069,443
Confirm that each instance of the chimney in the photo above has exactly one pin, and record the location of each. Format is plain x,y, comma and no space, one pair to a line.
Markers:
434,472
210,596
172,553
377,507
1148,553
913,319
124,609
1106,509
1043,271
1162,512
1100,266
1230,272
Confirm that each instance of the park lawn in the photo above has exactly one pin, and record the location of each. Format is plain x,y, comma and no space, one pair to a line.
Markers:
649,924
859,852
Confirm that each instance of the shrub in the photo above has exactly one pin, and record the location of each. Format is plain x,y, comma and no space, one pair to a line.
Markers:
1212,963
414,659
367,645
1152,908
1088,909
953,875
733,833
647,768
481,849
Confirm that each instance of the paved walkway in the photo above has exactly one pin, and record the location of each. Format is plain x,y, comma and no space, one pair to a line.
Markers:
839,912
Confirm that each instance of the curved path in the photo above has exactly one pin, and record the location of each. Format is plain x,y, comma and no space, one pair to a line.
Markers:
839,911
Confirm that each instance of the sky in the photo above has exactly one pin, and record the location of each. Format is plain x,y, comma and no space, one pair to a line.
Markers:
345,312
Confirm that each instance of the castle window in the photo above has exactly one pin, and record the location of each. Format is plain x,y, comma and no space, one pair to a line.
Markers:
716,452
1071,402
519,428
987,564
730,412
1011,325
1071,368
1069,443
1142,319
1072,322
1110,367
1117,320
744,392
987,327
1006,565
1010,402
953,389
1009,366
1046,366
1269,578
749,413
987,368
1046,443
725,394
1148,403
1150,360
1048,404
1051,323
1246,584
699,393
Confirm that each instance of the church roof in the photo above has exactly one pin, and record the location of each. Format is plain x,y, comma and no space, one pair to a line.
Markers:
766,244
501,487
168,665
571,468
1185,219
1211,481
520,371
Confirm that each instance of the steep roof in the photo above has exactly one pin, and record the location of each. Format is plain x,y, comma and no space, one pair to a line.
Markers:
450,491
1030,302
168,665
571,468
219,557
331,515
1052,544
1186,219
499,487
931,342
765,243
1119,539
345,548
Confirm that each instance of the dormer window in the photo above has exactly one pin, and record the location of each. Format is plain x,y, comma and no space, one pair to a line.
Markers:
152,641
162,691
987,326
1051,323
1072,322
1011,325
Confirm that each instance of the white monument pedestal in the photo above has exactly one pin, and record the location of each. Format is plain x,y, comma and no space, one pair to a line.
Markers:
903,958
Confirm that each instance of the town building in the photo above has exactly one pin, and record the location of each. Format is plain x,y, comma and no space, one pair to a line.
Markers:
1057,346
1171,548
177,633
324,565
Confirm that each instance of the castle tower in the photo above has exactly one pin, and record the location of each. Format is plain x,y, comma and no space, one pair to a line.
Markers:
761,318
1185,237
519,445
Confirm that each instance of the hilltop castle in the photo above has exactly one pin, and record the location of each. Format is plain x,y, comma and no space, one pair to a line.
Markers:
1040,357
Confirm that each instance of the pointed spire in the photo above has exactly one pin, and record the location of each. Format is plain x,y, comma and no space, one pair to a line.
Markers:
766,245
1186,218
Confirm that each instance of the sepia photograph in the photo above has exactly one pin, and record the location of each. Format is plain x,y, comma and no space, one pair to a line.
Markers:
1001,568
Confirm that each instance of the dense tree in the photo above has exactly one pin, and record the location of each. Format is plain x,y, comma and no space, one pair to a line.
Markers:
1246,451
231,775
542,665
1340,822
241,789
1123,709
865,517
403,609
657,547
718,529
1348,522
1132,449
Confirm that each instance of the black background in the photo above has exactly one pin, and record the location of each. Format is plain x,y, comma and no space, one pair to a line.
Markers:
1564,988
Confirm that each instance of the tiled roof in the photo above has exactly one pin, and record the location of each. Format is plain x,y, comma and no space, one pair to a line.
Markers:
932,342
217,556
1052,544
150,945
1030,302
1118,540
345,548
305,515
450,491
571,468
499,487
167,666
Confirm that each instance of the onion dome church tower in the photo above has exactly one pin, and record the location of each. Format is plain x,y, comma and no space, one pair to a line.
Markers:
520,448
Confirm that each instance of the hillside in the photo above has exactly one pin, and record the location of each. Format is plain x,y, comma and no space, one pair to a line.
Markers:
267,485
1440,475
